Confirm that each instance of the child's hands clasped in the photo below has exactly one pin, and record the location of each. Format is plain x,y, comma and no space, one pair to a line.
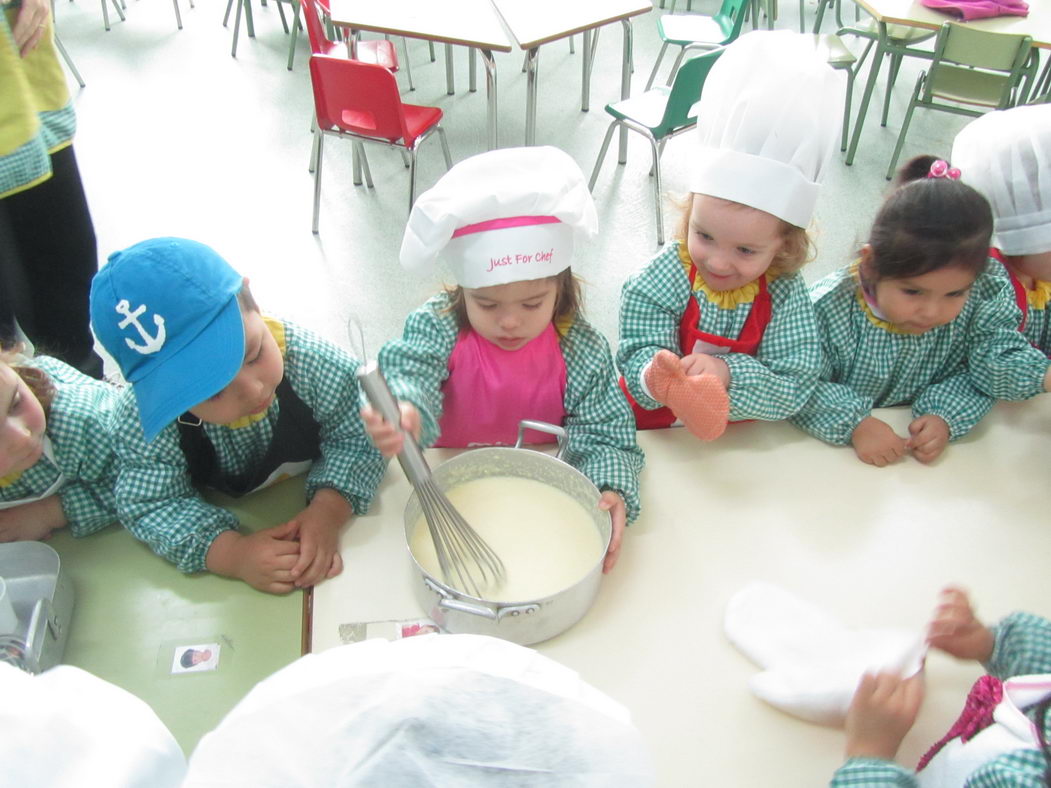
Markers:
929,437
957,631
876,443
613,503
882,713
317,528
387,437
263,559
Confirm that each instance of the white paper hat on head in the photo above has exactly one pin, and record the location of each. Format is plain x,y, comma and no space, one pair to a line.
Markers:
1006,156
768,121
504,216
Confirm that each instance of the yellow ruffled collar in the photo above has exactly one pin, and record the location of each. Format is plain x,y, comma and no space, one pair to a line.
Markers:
11,478
277,331
1039,295
866,307
724,299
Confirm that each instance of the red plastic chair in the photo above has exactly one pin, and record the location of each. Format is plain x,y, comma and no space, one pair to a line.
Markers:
379,51
361,101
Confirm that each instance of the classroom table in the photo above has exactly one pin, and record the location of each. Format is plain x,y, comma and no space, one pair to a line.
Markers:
872,546
132,610
537,22
912,13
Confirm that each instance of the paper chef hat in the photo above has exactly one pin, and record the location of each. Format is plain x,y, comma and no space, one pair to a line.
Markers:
768,120
1007,157
504,216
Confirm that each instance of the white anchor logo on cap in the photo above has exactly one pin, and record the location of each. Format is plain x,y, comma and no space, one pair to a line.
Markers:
151,344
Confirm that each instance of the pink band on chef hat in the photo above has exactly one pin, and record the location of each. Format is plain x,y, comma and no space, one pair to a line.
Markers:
501,224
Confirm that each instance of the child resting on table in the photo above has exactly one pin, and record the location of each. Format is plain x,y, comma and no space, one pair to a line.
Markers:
226,398
1001,737
509,342
922,318
57,466
1007,157
719,324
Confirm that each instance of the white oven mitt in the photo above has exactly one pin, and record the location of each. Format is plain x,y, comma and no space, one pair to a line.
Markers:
812,662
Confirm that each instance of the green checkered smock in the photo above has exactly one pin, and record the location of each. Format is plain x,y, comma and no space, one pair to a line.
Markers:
158,504
599,424
955,371
770,386
1023,647
81,440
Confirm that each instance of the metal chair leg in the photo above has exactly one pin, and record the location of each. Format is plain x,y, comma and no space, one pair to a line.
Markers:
602,154
178,16
364,160
69,61
656,66
412,178
657,189
445,147
892,76
296,24
317,179
905,126
408,62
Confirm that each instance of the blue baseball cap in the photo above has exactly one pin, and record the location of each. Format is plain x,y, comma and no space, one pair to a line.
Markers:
166,309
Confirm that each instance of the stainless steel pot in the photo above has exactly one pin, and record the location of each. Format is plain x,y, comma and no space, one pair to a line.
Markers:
527,621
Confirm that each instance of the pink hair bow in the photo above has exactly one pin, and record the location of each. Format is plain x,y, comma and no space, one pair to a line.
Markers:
941,169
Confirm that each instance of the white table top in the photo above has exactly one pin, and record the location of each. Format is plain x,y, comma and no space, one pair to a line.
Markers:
914,14
536,22
871,546
472,23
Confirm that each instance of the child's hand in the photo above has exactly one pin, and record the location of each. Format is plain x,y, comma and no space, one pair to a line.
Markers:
957,631
876,443
264,559
930,436
706,364
612,502
386,437
31,521
318,529
882,712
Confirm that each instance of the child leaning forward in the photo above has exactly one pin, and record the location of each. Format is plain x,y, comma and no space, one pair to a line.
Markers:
223,397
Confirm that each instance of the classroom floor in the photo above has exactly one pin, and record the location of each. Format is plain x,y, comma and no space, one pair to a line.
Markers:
176,137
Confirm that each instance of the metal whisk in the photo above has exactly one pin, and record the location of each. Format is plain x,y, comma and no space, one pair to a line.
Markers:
466,561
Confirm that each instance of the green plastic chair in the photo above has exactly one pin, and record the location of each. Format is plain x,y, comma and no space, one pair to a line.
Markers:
658,115
698,30
975,70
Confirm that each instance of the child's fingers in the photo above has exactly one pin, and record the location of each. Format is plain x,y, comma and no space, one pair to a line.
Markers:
336,566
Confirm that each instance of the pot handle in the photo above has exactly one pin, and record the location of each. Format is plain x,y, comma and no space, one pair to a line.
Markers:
543,426
447,602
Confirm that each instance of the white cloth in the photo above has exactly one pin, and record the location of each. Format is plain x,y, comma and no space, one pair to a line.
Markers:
1006,155
812,662
66,727
767,123
510,183
1010,730
432,710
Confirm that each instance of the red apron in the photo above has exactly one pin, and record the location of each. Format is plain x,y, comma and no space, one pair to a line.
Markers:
1020,295
693,340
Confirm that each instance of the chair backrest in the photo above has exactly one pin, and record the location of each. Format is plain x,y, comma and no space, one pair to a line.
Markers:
731,16
685,92
964,52
362,98
319,42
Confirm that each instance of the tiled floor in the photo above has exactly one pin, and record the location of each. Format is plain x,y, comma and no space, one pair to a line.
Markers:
178,138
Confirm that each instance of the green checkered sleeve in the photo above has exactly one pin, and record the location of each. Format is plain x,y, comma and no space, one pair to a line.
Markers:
79,428
155,500
1001,360
873,773
323,376
957,401
780,378
651,305
599,423
1022,646
416,364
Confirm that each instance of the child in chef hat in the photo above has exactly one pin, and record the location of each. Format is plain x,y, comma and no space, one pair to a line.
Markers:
509,342
719,324
1007,157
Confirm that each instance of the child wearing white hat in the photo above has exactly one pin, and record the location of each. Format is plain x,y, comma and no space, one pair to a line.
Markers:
509,342
1006,156
223,397
719,324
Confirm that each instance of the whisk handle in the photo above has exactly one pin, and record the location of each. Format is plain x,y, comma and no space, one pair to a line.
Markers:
375,386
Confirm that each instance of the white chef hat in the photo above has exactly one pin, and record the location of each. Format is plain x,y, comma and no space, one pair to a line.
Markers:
463,710
768,120
1006,155
504,216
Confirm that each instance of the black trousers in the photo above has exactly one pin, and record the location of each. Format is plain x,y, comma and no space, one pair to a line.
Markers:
48,256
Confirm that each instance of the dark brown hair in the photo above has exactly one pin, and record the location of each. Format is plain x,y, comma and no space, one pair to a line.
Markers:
927,224
568,299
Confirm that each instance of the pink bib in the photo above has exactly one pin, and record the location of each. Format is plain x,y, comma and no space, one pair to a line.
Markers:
489,390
